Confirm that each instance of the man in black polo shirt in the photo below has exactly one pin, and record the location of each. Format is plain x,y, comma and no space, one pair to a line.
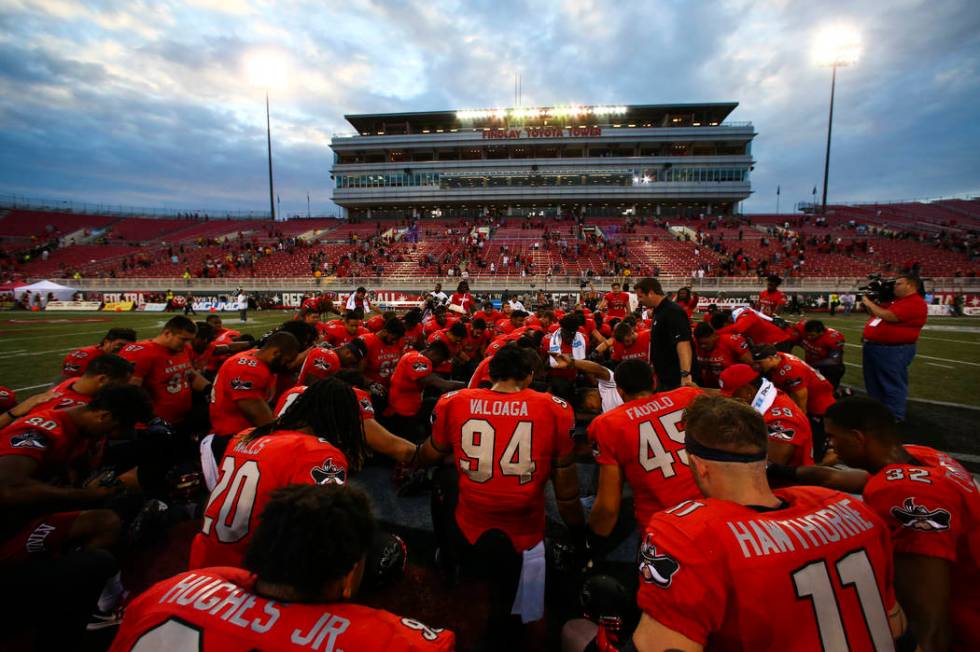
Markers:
670,337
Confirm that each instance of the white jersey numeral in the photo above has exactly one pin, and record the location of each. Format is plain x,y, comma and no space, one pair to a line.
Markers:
813,582
238,500
477,442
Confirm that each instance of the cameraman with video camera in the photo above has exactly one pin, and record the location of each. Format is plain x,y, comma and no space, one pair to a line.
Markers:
898,313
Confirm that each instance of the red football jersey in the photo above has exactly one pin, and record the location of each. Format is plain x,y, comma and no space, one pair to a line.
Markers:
64,397
788,424
830,342
932,507
430,325
405,394
336,334
728,350
381,359
771,302
78,360
503,468
639,350
617,304
375,323
48,437
414,337
319,363
474,346
454,349
363,401
815,574
218,609
645,438
165,377
689,306
250,472
482,372
241,377
215,360
756,328
464,301
792,373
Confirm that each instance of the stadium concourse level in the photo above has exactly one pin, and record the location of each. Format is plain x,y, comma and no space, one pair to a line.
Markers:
191,487
938,239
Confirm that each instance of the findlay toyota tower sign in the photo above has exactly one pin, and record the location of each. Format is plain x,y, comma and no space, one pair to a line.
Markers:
542,132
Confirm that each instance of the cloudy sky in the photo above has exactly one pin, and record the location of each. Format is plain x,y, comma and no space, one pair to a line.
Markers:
147,102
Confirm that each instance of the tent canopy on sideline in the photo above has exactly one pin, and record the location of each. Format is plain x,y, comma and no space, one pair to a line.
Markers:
60,292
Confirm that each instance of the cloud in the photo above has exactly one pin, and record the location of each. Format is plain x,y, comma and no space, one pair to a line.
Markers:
147,102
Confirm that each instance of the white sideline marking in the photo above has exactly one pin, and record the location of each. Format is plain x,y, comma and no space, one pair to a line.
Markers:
21,389
929,357
924,337
23,355
936,364
36,337
967,457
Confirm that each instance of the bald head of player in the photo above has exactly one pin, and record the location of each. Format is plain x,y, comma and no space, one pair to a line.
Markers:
726,442
863,433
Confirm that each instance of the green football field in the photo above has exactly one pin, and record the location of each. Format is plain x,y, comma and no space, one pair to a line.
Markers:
32,346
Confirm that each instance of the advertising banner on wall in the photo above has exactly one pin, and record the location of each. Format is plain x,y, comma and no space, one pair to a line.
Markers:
73,305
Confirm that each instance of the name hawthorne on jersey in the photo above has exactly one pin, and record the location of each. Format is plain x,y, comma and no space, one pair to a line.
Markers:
837,521
649,407
486,407
233,604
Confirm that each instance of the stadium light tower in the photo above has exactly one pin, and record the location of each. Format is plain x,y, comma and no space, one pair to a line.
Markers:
267,70
835,46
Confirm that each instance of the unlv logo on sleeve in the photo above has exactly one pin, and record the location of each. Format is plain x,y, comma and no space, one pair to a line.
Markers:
71,367
779,431
240,385
320,363
29,439
918,517
329,473
656,569
420,366
366,405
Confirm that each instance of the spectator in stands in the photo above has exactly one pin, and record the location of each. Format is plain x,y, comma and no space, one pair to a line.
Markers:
889,343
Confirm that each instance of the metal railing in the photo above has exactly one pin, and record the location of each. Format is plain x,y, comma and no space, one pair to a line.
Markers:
487,283
85,208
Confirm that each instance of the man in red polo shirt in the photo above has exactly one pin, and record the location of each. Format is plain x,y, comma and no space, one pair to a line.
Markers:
615,303
76,361
889,343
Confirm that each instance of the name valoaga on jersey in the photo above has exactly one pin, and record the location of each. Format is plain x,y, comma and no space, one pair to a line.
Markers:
498,408
762,537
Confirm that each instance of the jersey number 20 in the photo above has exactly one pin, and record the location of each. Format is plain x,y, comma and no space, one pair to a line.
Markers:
236,507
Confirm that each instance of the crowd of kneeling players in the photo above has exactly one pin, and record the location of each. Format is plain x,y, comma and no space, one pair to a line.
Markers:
744,481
